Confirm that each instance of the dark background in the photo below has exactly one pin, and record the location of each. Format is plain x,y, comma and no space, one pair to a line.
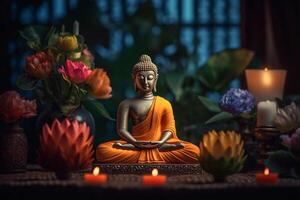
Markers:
178,34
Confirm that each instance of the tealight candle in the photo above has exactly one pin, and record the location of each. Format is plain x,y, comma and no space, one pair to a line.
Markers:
154,179
95,178
266,177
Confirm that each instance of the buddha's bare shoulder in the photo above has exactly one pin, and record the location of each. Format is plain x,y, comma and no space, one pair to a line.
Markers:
126,103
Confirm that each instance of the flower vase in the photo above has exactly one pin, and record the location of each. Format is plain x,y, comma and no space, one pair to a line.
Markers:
13,148
52,112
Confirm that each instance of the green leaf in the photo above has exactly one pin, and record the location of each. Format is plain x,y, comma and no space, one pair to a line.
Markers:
49,35
222,116
209,104
33,45
86,60
30,34
63,93
37,36
66,109
281,162
175,83
94,105
26,82
72,94
52,40
223,67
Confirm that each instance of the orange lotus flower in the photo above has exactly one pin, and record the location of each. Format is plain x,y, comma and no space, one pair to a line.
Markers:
99,84
66,146
39,65
13,107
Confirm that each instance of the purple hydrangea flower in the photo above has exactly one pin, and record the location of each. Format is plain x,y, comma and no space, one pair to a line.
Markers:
237,101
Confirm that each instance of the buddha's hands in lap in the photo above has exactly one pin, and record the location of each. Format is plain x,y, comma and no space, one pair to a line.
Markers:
126,146
140,145
137,145
162,146
171,146
148,144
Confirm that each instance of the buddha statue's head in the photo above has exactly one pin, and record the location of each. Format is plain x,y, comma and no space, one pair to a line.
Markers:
145,75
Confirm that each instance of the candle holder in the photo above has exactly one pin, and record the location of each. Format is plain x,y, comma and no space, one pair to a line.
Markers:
247,129
267,141
266,85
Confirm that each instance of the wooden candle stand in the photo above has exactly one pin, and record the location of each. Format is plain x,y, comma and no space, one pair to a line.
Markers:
268,140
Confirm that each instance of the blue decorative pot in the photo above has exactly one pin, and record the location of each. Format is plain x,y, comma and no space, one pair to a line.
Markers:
51,112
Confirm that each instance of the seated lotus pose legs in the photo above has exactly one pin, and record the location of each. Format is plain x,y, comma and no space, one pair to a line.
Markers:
153,136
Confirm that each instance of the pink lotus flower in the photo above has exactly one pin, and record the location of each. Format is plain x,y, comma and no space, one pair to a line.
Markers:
88,54
13,107
293,142
75,71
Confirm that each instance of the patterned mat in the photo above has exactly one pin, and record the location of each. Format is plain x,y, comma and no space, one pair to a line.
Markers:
124,176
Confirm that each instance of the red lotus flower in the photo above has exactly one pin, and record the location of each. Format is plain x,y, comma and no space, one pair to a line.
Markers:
75,71
99,84
13,107
66,146
39,65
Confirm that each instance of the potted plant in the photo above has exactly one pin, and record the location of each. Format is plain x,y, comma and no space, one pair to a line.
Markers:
63,74
13,142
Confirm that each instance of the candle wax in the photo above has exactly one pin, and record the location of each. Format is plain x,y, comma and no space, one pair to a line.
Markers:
266,112
95,179
266,177
154,180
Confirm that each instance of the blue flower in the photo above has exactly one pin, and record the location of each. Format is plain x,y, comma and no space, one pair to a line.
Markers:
237,101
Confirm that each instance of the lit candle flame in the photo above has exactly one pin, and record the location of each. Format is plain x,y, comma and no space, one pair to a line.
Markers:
266,78
154,172
266,171
96,171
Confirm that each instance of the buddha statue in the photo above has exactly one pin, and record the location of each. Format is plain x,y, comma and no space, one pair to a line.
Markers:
153,136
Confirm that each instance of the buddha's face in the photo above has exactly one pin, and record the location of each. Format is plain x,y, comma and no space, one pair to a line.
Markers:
145,81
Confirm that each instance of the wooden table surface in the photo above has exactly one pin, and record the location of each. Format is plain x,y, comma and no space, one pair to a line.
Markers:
184,181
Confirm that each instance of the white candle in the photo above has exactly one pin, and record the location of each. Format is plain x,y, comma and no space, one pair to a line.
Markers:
266,112
76,28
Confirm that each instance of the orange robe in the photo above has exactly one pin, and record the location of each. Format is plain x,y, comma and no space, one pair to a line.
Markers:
158,120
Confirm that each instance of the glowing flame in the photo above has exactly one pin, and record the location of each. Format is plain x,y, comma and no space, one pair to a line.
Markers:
266,78
96,171
154,172
266,171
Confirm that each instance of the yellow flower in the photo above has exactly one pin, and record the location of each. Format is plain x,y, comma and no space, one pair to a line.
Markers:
222,153
67,43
